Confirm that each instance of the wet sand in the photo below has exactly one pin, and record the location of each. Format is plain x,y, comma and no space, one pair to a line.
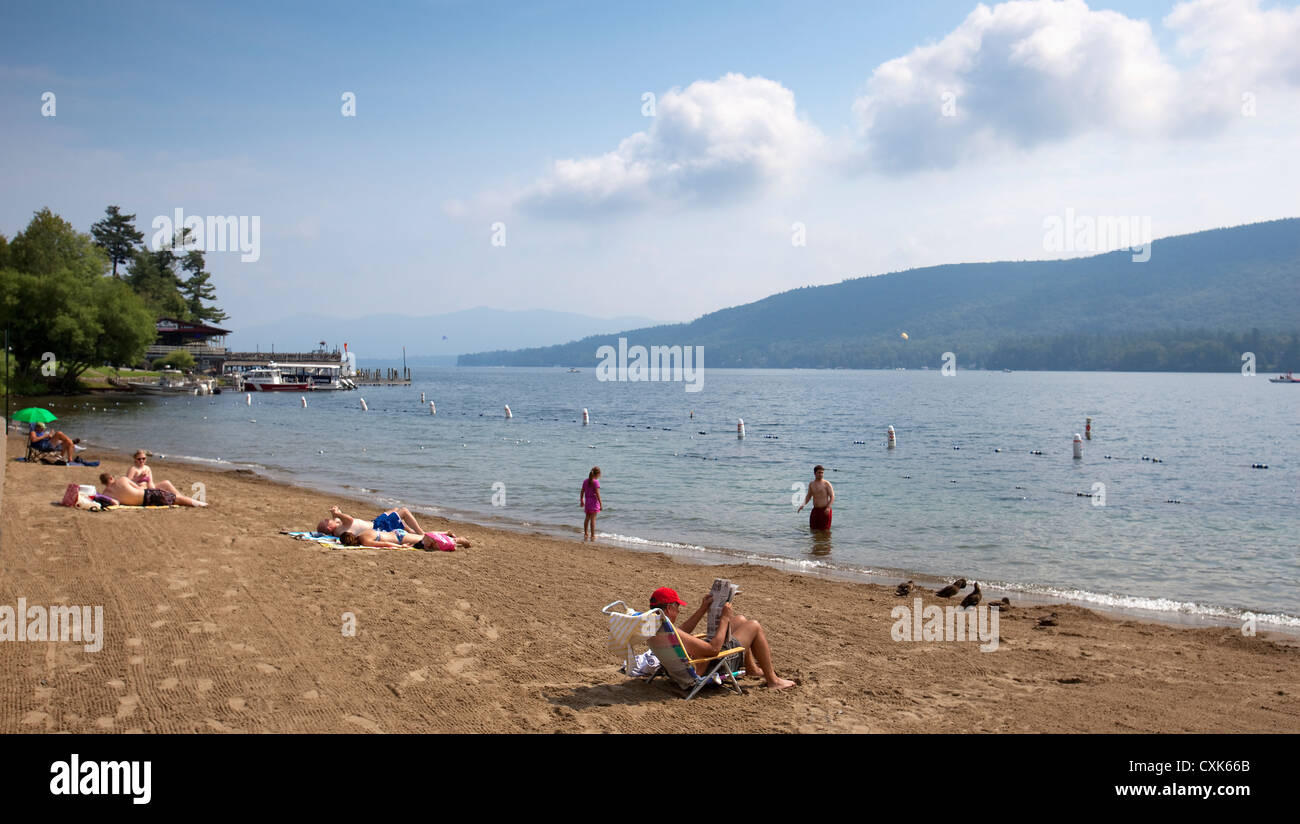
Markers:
216,623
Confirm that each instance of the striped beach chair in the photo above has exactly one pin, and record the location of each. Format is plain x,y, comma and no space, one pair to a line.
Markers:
690,674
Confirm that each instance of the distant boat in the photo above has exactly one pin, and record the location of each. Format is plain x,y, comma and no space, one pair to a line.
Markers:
171,382
1287,378
574,370
1006,370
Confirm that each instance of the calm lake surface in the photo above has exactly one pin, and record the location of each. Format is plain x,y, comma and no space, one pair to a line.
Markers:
1199,533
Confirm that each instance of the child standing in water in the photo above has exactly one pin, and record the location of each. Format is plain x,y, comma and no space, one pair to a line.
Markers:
591,504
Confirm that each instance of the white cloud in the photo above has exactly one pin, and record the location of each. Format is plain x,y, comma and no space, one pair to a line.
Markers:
1023,74
708,142
1239,46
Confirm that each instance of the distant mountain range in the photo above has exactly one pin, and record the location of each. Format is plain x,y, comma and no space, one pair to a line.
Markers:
1193,305
428,340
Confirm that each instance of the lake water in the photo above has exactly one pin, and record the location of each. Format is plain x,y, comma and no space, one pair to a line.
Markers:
1199,533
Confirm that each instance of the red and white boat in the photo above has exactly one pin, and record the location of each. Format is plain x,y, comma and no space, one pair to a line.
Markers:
272,380
1287,378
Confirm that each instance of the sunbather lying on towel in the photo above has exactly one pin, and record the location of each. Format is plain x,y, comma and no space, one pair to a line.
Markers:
340,523
399,538
128,492
744,633
51,441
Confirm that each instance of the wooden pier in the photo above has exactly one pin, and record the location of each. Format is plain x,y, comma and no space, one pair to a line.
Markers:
382,377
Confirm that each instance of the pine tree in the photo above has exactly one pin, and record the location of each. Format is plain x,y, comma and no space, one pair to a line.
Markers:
117,235
196,289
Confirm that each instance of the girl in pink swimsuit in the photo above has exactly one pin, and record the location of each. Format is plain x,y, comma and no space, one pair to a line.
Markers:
591,503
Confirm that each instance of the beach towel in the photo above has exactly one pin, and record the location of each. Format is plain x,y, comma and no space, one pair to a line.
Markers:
57,460
316,537
97,503
630,631
330,541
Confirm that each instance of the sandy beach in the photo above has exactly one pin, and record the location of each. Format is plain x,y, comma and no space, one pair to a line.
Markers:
214,622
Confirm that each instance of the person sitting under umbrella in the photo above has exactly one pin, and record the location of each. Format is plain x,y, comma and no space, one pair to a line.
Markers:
44,441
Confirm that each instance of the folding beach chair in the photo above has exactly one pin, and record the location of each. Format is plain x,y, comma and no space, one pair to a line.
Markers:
46,456
654,628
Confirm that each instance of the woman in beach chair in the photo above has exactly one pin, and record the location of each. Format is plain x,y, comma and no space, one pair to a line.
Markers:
741,631
40,441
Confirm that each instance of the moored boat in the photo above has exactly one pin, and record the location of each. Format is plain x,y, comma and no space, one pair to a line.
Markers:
171,382
271,379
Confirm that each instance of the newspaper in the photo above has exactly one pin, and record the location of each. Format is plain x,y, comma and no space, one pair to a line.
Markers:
723,592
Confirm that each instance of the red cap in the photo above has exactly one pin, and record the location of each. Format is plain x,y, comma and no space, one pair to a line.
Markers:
664,595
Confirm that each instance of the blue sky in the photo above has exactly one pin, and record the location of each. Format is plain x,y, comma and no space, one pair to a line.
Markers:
768,116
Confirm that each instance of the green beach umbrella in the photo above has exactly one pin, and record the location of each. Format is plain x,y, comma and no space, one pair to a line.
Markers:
34,414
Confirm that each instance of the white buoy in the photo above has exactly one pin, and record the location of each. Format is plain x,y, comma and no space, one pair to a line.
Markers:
1078,445
304,401
364,408
433,410
248,399
509,414
421,397
740,428
586,419
892,438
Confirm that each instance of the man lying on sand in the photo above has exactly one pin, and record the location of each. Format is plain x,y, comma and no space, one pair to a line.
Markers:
128,492
398,538
341,523
744,632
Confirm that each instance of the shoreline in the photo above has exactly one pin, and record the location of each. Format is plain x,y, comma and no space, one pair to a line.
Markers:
1213,616
217,623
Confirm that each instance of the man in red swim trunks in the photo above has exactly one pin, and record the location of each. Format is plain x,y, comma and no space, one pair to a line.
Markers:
822,495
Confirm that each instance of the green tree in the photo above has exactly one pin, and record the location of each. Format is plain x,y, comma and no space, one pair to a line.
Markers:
50,244
196,290
117,235
152,276
155,275
177,359
63,315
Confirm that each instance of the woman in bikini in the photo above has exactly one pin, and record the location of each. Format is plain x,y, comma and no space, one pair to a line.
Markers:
400,539
140,472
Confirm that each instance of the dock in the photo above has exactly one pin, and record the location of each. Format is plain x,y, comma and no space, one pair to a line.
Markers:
382,377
